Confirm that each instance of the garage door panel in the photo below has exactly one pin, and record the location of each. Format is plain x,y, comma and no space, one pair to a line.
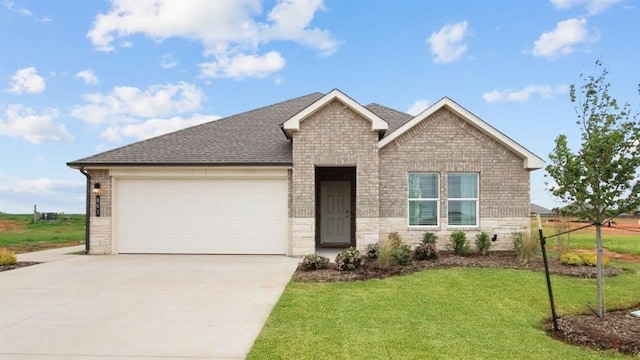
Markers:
201,216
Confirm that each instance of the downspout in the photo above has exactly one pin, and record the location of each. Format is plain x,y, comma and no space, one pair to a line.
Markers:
87,230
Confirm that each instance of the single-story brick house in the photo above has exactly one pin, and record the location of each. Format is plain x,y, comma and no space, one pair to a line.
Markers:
313,172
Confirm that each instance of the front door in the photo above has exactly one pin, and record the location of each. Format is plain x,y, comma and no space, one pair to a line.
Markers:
335,213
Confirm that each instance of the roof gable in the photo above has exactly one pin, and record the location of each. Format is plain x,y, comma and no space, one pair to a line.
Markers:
293,124
531,161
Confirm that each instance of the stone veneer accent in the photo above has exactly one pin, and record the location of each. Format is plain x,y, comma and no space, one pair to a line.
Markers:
445,143
100,227
333,136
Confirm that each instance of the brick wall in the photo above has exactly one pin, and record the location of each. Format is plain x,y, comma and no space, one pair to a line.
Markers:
445,143
333,136
100,227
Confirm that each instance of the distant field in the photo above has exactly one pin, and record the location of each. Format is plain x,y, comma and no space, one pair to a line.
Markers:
622,237
20,234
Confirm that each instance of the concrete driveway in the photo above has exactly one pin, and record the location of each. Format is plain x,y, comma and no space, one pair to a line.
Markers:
139,306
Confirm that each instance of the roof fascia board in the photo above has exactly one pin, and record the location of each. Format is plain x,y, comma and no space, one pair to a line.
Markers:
293,124
531,161
107,166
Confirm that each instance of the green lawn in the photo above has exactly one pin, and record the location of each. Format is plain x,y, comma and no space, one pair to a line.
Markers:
624,244
460,313
25,236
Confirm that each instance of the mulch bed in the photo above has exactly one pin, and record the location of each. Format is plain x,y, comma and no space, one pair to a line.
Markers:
19,264
617,330
498,259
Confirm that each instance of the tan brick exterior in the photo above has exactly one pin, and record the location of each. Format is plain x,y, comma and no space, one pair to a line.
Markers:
336,136
100,227
445,143
333,136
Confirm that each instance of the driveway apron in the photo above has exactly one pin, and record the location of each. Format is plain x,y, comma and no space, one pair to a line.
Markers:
139,306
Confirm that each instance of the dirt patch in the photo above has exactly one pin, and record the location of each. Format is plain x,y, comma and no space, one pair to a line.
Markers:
18,265
10,225
501,259
616,330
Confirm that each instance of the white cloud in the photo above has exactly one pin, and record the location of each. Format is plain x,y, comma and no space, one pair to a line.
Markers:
28,81
88,76
563,39
227,29
524,94
10,5
22,122
40,186
593,6
167,61
448,44
418,106
241,66
154,127
124,104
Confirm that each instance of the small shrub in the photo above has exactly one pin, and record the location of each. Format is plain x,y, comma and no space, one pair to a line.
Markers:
401,255
483,243
571,258
460,243
395,239
373,251
349,259
425,251
590,259
429,238
525,246
7,257
314,262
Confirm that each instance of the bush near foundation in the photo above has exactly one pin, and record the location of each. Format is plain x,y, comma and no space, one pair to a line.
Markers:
459,242
314,262
401,255
483,243
349,259
373,251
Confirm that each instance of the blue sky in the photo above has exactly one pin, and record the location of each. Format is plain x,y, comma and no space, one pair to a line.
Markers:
81,77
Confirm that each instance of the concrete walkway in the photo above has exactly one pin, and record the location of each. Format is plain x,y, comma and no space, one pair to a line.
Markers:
138,306
52,254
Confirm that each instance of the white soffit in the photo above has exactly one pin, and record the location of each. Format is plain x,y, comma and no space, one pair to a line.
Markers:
531,161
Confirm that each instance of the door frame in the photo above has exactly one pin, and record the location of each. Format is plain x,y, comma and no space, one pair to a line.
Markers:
328,173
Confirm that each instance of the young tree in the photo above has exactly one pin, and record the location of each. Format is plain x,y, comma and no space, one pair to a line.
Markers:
601,180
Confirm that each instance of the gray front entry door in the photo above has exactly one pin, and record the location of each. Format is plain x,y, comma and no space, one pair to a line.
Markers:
335,212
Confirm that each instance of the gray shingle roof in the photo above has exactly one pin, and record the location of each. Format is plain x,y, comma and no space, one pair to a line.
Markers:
394,117
251,138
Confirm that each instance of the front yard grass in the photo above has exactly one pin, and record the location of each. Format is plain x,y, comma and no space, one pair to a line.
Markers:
19,234
458,313
622,244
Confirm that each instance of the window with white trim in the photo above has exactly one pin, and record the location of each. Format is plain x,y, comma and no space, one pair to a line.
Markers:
462,199
424,197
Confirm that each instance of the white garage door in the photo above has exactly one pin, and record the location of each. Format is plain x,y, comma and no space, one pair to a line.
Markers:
208,216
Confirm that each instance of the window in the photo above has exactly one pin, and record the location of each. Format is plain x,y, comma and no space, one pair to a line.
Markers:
424,192
462,194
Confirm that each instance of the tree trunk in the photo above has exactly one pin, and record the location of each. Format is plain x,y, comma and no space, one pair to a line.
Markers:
599,271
